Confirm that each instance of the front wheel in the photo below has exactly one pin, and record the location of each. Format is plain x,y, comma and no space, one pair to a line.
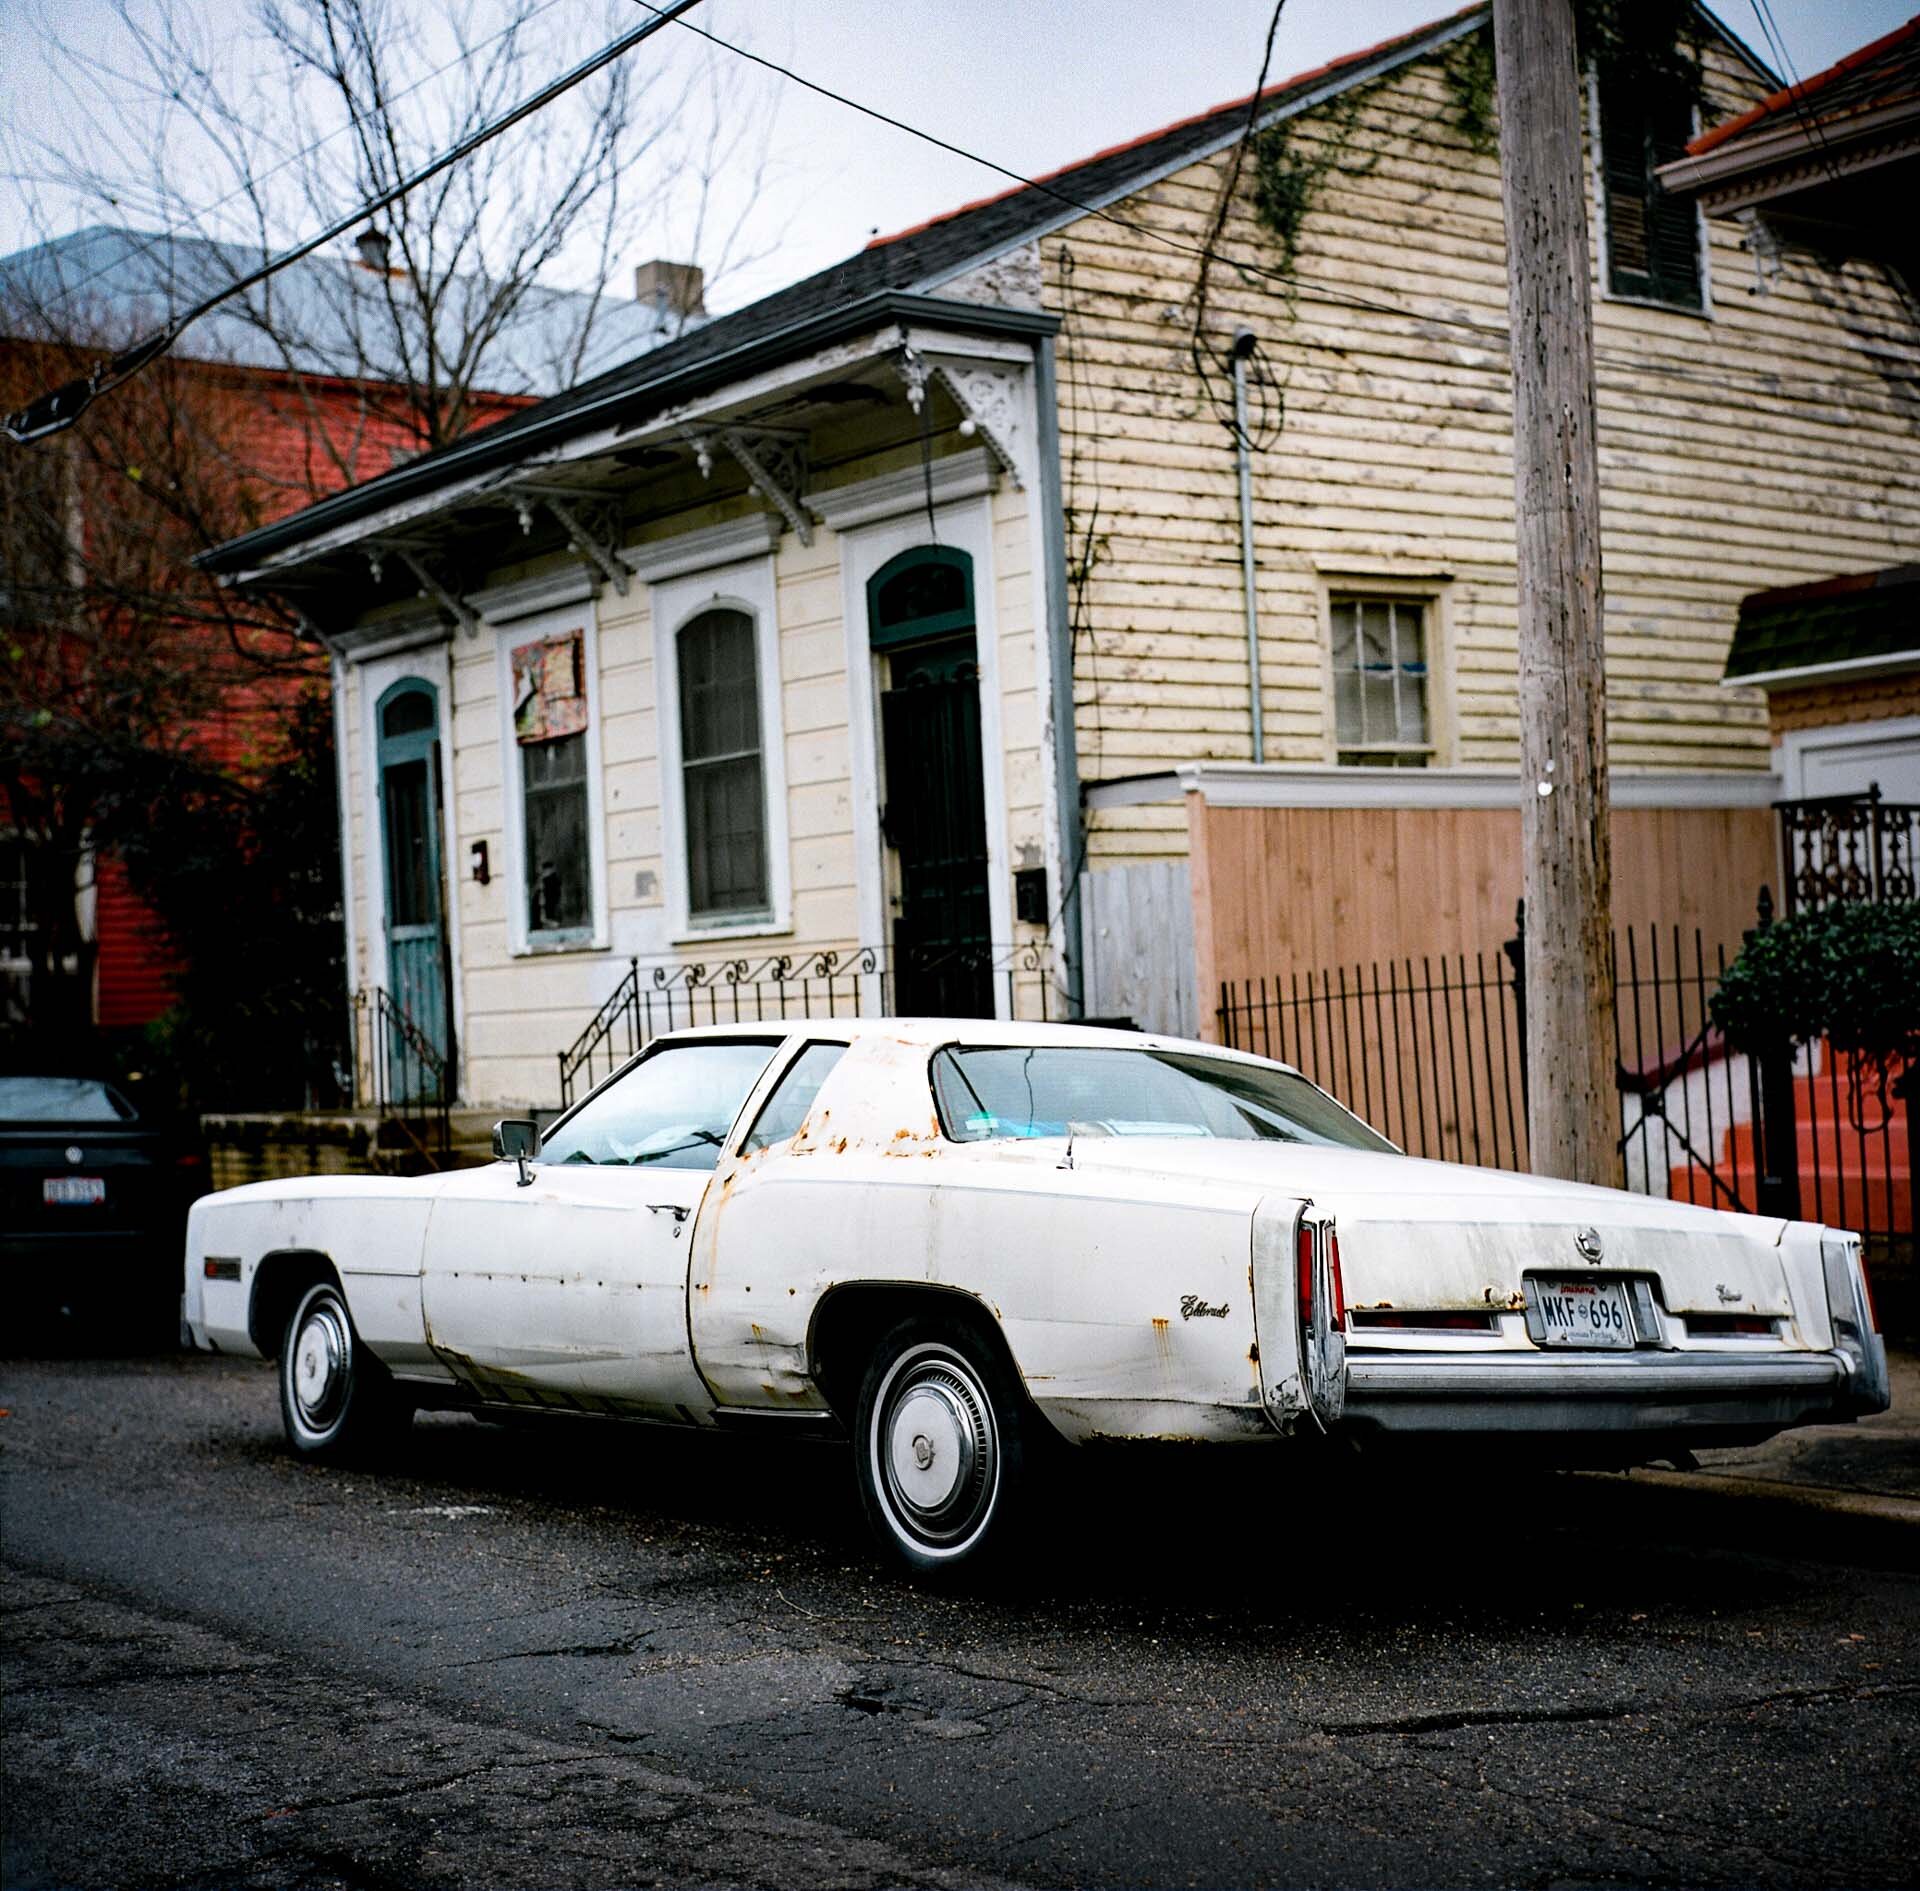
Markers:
940,1452
335,1398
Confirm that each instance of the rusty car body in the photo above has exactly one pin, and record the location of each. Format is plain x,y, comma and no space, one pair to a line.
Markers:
961,1242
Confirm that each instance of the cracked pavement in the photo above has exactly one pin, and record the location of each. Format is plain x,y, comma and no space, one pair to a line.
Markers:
584,1654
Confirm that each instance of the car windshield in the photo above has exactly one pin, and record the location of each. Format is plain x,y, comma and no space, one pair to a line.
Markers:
670,1111
61,1100
989,1092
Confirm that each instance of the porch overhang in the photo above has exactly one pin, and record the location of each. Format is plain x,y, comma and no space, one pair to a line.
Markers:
585,471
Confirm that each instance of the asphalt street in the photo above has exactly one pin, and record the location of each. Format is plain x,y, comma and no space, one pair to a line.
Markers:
575,1654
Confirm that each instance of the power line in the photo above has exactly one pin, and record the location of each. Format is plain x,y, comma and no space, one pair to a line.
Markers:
1810,127
293,157
61,407
1491,335
1206,361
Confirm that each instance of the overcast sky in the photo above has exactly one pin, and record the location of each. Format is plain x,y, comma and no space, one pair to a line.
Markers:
1033,84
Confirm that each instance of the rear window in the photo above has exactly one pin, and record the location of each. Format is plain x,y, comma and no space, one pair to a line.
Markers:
988,1092
61,1100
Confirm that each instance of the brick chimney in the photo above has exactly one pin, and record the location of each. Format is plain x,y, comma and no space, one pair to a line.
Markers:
676,290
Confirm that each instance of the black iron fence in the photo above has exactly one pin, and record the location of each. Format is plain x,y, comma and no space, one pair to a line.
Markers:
1431,1052
401,1075
838,982
1427,1050
1839,848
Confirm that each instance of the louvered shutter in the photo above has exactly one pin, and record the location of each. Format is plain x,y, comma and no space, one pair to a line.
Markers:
1653,239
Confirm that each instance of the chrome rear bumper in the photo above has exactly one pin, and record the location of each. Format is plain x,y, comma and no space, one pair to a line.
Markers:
1596,1392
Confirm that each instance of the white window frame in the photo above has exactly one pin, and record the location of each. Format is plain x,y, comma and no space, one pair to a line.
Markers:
554,621
1432,595
1597,188
966,524
749,586
424,653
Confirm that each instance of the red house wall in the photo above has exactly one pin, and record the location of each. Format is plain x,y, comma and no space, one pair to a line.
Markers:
296,438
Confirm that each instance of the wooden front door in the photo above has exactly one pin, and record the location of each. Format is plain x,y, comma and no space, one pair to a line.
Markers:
934,803
410,827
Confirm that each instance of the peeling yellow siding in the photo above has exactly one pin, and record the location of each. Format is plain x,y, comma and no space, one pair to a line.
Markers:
1768,442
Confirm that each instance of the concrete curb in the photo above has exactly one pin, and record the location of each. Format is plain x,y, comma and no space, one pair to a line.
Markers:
1822,1497
1833,1525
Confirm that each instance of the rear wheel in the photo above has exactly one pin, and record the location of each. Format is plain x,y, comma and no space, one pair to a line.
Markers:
940,1447
335,1397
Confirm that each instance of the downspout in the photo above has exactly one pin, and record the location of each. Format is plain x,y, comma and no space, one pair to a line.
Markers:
1066,753
1243,346
343,798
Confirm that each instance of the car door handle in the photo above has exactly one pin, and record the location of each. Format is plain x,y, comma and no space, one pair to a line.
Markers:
675,1209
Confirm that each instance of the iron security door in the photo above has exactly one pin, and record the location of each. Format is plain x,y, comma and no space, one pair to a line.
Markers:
410,795
936,822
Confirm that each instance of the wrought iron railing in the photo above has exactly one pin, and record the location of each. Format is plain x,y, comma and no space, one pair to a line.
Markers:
1839,849
1017,981
1431,1052
404,1079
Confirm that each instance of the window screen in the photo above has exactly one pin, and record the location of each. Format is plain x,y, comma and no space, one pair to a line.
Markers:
553,779
412,896
1653,239
726,816
1380,712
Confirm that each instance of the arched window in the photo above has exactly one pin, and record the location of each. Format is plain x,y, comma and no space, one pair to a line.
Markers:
925,592
408,709
722,773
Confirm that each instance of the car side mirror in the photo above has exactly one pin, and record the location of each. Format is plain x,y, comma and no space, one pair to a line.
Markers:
517,1139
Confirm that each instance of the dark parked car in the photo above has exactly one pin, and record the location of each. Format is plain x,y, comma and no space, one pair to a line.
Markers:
93,1202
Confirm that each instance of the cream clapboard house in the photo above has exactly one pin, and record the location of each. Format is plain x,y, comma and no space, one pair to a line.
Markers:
912,615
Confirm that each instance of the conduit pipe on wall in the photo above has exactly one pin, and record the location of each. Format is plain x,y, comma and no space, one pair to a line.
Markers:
1243,345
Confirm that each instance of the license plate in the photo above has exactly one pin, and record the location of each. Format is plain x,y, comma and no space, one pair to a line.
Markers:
1583,1313
73,1191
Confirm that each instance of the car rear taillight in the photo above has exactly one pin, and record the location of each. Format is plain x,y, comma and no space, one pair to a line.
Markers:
1307,1253
1737,1325
1866,1288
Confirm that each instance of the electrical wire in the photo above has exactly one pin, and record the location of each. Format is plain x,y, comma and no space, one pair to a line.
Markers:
1493,336
1207,362
58,409
1809,126
293,157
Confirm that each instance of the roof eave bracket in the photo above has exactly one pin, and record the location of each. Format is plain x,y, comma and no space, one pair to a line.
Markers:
775,464
987,394
457,608
589,544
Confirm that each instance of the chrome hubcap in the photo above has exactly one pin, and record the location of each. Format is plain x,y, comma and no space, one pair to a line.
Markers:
935,1448
322,1365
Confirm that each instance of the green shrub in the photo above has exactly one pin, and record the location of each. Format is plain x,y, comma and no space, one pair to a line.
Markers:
1849,974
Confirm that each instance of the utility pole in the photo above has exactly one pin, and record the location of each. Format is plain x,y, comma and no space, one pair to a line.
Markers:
1573,1106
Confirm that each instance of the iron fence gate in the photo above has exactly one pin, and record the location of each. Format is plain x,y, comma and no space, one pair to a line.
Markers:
1430,1051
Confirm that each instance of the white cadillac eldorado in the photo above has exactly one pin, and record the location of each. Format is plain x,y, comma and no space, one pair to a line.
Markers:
957,1241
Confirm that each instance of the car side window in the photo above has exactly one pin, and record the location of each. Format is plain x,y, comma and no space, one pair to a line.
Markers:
784,1112
671,1111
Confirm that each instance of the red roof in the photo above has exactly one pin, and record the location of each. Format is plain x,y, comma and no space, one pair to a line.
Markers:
1793,96
1269,94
